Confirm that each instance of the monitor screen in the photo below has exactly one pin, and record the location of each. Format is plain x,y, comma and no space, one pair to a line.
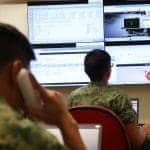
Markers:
126,29
66,23
130,64
130,22
53,68
61,66
135,106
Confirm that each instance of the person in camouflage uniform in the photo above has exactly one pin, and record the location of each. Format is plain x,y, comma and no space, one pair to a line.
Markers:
97,65
19,129
97,93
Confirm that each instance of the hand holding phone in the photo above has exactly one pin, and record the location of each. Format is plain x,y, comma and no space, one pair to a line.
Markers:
29,93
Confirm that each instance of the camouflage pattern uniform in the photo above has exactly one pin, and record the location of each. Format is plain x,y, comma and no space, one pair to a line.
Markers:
99,94
19,133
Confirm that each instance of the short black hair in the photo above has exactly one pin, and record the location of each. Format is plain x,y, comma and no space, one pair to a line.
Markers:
96,64
14,44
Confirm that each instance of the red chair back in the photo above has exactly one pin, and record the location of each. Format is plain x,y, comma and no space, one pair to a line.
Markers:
113,132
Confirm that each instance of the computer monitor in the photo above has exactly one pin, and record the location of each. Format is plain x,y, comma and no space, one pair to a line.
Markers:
128,22
63,68
63,22
90,133
60,66
61,33
135,106
131,63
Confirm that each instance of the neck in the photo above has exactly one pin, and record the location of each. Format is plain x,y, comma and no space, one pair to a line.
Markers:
3,86
105,82
101,81
9,93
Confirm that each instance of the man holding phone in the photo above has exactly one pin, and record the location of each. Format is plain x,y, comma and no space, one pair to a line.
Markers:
18,127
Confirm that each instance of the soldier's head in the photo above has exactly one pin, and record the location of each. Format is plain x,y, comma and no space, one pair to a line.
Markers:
97,65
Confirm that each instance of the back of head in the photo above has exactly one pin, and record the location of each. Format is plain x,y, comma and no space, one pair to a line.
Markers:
97,62
13,45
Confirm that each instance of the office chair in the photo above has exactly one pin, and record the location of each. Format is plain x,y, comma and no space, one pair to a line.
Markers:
113,132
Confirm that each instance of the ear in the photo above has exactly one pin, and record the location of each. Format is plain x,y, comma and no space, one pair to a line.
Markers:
107,75
15,68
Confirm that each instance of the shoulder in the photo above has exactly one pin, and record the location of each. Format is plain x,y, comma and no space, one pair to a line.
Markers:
77,95
79,91
17,132
115,93
116,98
121,105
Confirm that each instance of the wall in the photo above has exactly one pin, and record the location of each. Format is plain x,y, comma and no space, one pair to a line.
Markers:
16,14
143,93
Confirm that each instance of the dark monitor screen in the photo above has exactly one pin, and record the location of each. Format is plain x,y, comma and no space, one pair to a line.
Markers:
131,23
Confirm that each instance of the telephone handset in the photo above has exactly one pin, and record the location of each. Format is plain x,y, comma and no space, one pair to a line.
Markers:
29,93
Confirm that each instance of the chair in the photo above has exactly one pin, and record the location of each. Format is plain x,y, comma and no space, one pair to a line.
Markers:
113,132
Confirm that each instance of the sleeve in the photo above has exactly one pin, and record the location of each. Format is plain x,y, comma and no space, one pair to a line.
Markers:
19,133
123,108
70,100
